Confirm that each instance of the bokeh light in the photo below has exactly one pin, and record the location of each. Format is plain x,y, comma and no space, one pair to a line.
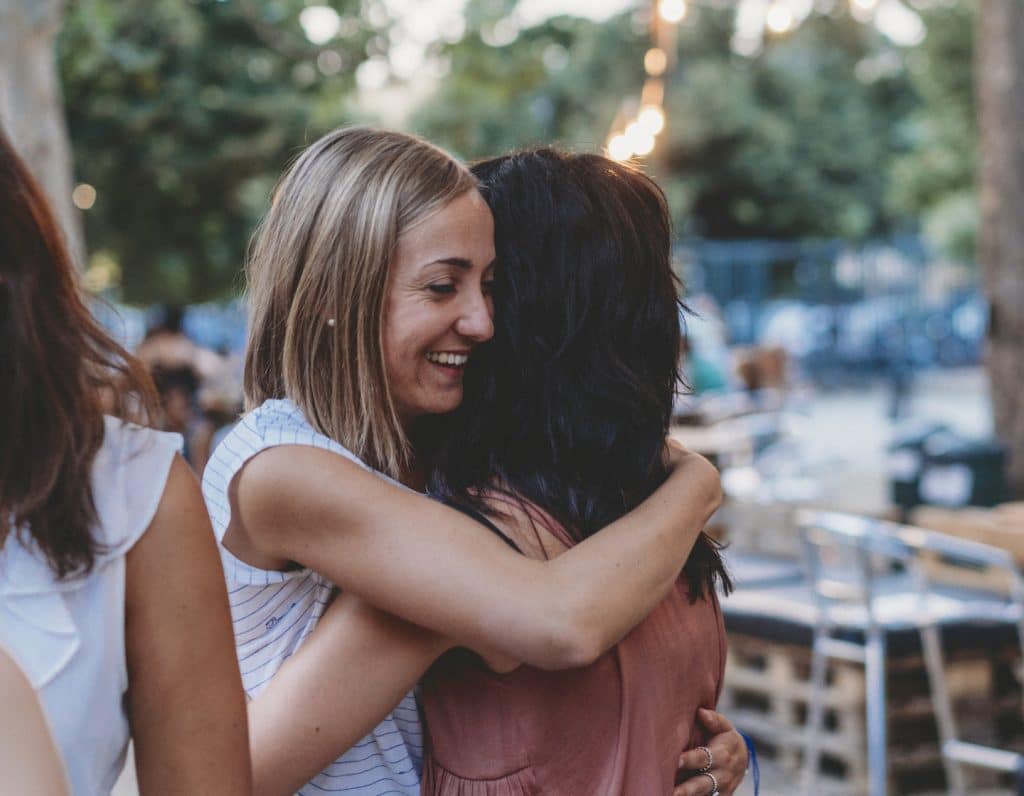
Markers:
655,61
619,148
672,10
652,119
779,18
320,23
84,196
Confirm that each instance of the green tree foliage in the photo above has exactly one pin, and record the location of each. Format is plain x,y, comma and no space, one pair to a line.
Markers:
796,142
935,180
560,81
182,114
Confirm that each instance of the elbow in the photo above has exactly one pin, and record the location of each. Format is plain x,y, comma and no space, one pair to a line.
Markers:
574,642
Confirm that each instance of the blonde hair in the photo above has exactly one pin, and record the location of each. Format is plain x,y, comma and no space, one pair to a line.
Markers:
323,252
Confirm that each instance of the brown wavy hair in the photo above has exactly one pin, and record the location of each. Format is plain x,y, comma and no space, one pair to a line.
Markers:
62,372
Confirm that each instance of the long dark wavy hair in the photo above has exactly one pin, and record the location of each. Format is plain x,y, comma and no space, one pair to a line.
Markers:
61,373
568,406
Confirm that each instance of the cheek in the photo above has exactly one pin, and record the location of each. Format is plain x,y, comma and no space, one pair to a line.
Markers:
402,349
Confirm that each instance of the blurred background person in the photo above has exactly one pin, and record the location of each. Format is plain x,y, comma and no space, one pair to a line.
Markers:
112,599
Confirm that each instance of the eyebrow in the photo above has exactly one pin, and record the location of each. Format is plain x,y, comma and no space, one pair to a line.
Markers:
459,262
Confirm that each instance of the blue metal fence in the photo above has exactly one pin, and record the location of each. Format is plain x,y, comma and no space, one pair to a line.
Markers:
842,312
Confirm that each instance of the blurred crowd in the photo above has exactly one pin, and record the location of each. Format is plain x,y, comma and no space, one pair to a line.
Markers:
199,389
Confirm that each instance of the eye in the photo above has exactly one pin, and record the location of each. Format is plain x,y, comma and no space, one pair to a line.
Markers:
441,288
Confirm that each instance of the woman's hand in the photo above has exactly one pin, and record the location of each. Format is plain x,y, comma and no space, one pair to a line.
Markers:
701,473
729,759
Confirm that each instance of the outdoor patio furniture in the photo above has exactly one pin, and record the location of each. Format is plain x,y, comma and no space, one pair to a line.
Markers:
955,552
868,579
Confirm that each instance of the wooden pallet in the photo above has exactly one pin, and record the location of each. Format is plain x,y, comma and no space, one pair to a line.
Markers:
767,690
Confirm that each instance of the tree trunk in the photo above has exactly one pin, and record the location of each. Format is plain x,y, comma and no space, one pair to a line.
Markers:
31,105
999,55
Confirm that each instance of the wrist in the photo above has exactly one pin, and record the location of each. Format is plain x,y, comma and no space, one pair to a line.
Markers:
703,483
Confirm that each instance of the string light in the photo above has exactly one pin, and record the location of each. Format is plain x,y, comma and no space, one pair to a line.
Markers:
779,18
655,62
672,11
863,10
619,148
652,119
635,134
639,139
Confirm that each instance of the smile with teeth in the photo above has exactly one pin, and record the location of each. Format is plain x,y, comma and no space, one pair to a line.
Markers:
446,358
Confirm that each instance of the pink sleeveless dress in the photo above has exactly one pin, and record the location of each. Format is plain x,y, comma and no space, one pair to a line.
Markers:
615,727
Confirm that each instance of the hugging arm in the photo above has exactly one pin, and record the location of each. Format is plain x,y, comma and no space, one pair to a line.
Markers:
352,670
355,667
359,661
412,557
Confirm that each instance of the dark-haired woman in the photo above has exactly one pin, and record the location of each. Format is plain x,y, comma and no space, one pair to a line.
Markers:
560,432
112,600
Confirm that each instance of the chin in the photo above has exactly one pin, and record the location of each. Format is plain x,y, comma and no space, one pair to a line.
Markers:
448,405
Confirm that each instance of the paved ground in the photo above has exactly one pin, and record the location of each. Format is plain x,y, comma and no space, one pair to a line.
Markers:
851,426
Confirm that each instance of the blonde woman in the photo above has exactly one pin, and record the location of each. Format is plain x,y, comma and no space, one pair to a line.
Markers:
369,286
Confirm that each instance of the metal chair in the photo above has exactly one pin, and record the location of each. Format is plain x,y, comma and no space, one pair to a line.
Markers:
827,540
955,552
875,548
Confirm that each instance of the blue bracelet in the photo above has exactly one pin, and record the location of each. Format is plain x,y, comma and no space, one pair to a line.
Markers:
755,770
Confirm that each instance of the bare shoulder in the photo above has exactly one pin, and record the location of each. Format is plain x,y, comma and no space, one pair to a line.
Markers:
290,487
179,531
288,473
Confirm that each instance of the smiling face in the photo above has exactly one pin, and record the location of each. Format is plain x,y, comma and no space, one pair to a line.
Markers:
438,306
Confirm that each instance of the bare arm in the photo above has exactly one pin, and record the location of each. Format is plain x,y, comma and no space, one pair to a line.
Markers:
351,671
412,557
186,706
28,757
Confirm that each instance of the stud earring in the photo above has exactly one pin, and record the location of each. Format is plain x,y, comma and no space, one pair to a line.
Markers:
331,322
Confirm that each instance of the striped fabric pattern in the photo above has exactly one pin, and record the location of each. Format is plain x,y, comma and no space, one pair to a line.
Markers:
273,612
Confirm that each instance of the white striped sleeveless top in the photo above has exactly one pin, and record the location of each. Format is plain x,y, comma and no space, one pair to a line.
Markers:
274,611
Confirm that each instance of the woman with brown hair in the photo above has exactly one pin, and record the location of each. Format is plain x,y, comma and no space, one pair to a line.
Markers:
111,598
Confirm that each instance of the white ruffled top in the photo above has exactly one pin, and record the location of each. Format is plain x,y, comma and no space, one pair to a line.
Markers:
68,636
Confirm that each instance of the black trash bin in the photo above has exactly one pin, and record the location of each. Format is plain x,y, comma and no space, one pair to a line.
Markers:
906,461
963,472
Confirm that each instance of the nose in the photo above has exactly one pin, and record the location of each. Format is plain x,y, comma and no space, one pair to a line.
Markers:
476,321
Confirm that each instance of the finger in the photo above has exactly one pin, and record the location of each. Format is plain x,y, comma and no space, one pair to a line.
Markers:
693,760
715,722
698,786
